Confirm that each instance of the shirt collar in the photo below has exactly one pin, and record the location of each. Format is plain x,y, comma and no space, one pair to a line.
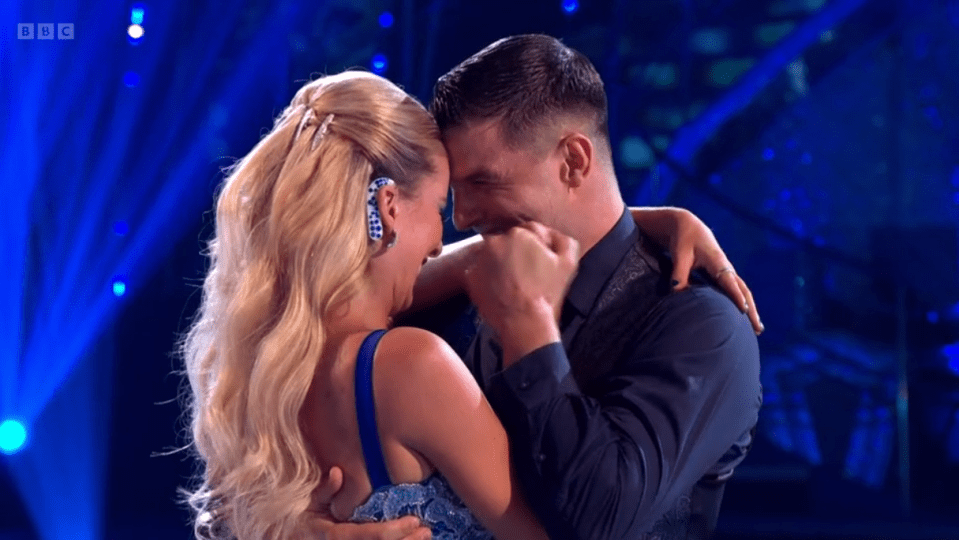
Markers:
599,263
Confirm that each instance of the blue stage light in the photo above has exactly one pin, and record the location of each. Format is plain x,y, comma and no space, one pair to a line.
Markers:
635,153
379,63
951,352
136,14
710,41
695,133
131,79
56,387
121,228
769,154
12,436
119,288
386,19
570,6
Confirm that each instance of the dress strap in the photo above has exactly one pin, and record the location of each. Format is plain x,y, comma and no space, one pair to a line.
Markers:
366,412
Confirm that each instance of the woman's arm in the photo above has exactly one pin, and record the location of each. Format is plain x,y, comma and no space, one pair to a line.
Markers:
428,400
442,276
693,245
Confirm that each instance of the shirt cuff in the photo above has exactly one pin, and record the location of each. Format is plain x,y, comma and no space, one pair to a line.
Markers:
535,379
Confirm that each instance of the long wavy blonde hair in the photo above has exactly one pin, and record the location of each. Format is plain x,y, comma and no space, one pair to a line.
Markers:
290,247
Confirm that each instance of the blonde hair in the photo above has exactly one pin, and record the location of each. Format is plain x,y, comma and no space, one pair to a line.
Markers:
290,247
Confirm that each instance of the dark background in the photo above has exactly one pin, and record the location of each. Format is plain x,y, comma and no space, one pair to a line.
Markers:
818,138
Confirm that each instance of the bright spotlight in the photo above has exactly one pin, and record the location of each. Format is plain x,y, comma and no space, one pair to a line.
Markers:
119,288
12,436
570,6
379,63
135,31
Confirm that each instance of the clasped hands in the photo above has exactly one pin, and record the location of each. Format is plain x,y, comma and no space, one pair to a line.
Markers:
518,280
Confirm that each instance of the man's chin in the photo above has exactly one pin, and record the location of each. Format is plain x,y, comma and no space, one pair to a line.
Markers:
497,228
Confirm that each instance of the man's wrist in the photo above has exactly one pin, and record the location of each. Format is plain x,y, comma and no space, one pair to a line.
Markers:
525,331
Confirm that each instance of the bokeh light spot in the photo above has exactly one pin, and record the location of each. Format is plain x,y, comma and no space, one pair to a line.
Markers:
12,436
135,31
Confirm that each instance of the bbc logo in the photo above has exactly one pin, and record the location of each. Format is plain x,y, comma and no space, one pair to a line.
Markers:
45,31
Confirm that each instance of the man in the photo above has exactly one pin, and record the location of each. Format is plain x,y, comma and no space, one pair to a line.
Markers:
628,414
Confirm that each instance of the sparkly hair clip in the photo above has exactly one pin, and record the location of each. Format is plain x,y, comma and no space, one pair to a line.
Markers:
307,116
321,131
373,219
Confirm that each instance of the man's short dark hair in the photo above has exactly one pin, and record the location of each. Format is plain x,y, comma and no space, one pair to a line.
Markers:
523,80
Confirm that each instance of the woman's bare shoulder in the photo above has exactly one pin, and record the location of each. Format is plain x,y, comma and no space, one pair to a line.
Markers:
408,349
418,375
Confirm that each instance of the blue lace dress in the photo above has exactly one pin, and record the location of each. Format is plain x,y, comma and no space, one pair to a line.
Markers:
431,500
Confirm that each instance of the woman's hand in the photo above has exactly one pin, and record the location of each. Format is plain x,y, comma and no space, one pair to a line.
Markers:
693,245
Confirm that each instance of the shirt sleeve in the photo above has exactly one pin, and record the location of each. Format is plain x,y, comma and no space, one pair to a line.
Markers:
610,464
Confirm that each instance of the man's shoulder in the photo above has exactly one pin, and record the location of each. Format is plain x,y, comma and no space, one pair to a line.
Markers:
700,300
702,318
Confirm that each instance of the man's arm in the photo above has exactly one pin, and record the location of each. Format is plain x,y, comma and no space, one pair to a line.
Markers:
610,466
322,526
688,239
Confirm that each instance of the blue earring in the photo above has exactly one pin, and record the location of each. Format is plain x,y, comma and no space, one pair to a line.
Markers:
373,219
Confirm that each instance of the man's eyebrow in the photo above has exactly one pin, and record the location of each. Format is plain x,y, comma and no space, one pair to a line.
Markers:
482,175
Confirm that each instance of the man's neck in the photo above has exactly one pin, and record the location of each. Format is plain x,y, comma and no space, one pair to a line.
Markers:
598,214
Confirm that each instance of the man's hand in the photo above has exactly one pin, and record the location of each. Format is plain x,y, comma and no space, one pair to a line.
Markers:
406,528
518,281
322,525
693,245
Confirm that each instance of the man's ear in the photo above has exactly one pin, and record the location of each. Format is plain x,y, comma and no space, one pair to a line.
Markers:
578,154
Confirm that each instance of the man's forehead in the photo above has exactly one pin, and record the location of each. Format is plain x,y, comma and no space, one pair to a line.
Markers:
476,146
485,132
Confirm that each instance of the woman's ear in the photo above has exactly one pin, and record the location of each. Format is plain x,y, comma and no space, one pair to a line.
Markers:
386,201
578,153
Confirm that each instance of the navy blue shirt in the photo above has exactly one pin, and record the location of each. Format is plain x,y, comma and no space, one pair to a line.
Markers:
631,426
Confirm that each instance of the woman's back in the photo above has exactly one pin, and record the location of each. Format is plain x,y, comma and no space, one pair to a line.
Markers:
418,387
332,428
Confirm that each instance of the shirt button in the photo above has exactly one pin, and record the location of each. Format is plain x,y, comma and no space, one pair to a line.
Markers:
524,384
540,457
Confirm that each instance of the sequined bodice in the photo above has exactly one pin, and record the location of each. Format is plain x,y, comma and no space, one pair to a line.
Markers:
431,500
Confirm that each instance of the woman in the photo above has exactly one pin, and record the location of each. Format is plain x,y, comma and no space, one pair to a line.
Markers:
321,232
302,273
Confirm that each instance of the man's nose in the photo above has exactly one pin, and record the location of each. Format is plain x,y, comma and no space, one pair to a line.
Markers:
437,249
464,213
